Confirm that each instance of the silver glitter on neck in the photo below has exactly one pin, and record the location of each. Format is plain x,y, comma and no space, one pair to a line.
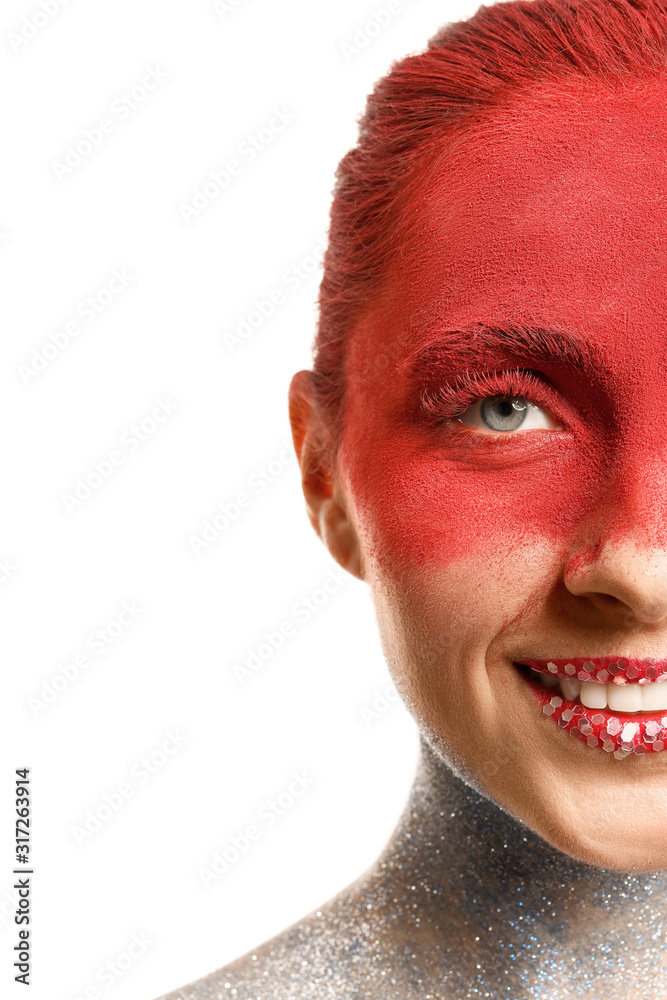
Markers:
465,902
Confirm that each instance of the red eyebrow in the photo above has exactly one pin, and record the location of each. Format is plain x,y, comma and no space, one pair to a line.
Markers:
483,343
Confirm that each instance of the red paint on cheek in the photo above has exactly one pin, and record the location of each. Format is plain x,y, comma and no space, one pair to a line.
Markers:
539,225
423,499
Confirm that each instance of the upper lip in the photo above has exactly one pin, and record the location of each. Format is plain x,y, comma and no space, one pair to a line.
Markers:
605,669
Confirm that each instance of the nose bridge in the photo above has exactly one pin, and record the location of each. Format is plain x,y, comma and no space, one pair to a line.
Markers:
629,500
619,549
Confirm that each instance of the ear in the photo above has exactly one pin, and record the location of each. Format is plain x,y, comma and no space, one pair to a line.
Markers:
325,501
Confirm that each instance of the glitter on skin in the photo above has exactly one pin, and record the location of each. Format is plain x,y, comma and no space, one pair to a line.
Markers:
464,903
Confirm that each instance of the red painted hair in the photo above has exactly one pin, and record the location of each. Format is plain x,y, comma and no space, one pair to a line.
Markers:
468,68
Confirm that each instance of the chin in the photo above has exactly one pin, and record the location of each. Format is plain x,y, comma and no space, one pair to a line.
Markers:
619,829
606,812
605,820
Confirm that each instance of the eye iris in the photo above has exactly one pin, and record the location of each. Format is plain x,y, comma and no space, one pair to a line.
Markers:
504,413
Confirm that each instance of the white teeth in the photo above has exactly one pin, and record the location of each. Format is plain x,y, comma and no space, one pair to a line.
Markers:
570,688
624,697
617,697
654,697
593,695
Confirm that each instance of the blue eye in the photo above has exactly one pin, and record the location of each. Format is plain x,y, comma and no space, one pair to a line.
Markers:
507,413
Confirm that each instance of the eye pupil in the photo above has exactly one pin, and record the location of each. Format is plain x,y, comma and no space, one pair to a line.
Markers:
503,413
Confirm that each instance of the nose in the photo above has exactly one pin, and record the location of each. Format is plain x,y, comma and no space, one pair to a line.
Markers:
617,561
616,556
621,578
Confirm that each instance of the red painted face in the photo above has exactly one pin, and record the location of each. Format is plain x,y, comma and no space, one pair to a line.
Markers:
505,449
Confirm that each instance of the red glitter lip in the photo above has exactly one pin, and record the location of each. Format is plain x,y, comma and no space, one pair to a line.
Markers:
605,669
619,733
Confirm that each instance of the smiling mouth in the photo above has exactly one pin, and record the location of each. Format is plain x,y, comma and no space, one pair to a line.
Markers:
615,704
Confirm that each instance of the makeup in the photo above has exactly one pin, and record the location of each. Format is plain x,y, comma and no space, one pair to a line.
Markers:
464,902
538,283
523,284
615,704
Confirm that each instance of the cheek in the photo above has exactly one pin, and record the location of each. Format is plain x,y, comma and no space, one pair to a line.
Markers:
447,633
416,506
455,612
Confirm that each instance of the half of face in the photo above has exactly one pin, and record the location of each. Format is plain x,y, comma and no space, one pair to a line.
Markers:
505,467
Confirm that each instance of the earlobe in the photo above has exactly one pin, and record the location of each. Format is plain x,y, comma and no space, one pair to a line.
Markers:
325,503
340,537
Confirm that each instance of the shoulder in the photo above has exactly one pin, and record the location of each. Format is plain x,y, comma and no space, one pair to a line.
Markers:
322,956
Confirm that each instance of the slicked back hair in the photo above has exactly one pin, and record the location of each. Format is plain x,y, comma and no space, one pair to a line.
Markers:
469,68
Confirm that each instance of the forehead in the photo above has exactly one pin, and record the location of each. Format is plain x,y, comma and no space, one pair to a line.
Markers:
553,210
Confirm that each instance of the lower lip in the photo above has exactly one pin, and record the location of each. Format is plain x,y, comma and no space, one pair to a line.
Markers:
617,734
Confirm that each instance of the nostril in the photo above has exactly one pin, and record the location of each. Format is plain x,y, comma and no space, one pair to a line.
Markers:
627,586
607,601
613,606
610,601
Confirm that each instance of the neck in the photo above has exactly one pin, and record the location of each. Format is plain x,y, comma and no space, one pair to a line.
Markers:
484,900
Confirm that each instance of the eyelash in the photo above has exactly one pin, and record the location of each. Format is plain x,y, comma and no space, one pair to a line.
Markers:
453,399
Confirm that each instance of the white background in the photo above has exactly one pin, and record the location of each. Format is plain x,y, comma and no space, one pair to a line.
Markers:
70,565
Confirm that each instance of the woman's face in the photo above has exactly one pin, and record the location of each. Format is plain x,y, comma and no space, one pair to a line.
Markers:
534,265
